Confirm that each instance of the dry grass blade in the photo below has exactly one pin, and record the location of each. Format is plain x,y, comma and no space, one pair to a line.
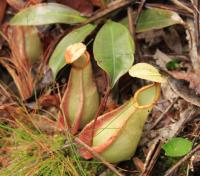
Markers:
182,5
23,80
5,95
18,65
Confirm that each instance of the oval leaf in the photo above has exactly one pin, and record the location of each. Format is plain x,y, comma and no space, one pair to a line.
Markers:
114,50
177,147
147,72
155,18
47,13
57,59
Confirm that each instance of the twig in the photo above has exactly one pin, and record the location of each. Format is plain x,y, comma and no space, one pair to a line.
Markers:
196,24
139,11
107,11
181,5
5,92
163,114
138,54
153,156
185,158
130,22
99,157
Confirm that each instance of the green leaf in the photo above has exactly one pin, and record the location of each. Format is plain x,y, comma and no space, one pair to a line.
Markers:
57,59
177,147
47,13
155,18
147,72
114,50
124,21
174,64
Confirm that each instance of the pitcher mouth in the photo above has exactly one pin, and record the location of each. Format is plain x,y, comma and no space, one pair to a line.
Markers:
74,52
86,56
140,101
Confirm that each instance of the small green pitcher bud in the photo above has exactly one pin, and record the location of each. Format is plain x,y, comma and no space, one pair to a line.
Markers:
25,42
117,133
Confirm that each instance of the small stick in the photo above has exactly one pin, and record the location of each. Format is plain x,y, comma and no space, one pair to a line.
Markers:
138,52
99,157
132,29
183,6
130,22
107,11
139,11
154,154
163,114
181,161
196,20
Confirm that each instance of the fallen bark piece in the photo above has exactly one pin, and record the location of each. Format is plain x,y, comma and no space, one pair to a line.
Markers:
182,90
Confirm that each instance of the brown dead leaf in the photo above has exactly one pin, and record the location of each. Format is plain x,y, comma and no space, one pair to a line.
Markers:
8,112
196,158
16,4
171,130
168,93
139,164
1,43
182,90
4,161
152,37
84,6
170,37
99,3
45,79
161,59
191,77
20,4
173,41
44,123
49,100
3,5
